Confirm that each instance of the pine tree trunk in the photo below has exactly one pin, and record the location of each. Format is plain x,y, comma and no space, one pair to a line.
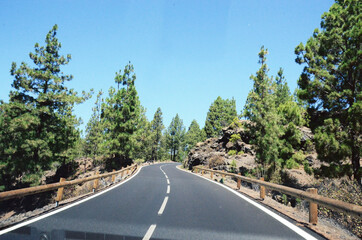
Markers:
356,159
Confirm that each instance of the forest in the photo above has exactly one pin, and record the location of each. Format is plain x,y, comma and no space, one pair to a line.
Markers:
39,130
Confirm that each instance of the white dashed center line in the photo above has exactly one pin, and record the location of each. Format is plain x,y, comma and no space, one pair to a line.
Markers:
163,206
168,189
149,232
168,181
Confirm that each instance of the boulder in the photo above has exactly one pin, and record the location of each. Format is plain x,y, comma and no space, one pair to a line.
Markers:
306,134
229,145
218,147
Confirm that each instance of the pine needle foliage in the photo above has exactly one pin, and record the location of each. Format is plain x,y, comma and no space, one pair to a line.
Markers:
121,113
331,84
221,114
37,125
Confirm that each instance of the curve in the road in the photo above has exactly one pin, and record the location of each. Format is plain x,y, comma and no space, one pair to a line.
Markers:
144,207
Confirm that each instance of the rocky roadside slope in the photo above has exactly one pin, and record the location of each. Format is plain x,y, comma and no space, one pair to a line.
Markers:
215,153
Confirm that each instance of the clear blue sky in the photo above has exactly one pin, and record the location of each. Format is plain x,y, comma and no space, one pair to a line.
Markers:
185,53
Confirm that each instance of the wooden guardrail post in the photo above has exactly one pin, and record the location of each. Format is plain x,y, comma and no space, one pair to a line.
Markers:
122,173
127,171
60,193
113,176
239,182
202,172
313,208
212,175
262,190
95,183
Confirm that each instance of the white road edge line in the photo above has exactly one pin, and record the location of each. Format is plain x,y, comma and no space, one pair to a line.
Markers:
163,206
168,189
149,232
64,208
288,224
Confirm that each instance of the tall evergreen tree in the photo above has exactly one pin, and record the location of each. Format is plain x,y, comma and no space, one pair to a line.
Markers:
156,128
260,109
194,135
175,137
331,83
121,116
282,91
221,113
37,125
95,130
142,138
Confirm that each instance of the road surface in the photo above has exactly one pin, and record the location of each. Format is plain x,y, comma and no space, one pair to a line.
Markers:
161,202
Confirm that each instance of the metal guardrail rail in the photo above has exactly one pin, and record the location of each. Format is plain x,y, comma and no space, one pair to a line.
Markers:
309,195
60,185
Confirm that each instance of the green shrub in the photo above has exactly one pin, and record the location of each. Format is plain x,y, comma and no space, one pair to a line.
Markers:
286,151
290,164
285,199
33,179
233,165
232,152
241,153
234,138
298,157
308,145
307,169
139,161
236,123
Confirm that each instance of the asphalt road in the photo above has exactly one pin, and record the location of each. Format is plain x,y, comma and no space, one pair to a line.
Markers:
161,202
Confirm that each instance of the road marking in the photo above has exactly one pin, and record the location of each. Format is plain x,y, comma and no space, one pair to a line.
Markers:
288,224
168,181
163,206
168,189
65,207
149,232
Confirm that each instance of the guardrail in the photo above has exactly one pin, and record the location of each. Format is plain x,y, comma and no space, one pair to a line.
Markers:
310,195
62,184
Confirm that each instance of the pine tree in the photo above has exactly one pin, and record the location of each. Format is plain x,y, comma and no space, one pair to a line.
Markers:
156,129
121,118
221,113
331,84
142,138
95,130
260,109
194,135
175,138
282,91
37,126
